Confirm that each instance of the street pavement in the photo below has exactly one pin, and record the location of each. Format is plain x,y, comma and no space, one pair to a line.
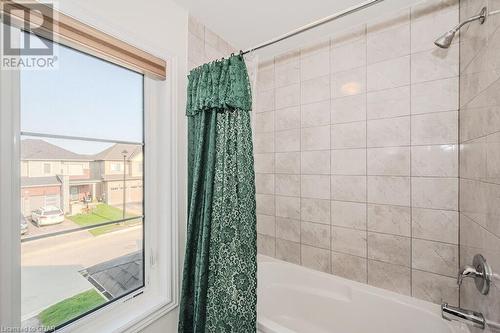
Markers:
50,266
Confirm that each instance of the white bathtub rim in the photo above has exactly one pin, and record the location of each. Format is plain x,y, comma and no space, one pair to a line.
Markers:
266,325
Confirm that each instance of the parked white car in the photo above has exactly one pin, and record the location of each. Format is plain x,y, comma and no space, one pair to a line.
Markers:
47,215
24,225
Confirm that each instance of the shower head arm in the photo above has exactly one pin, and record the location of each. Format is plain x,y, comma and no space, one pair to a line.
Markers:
481,17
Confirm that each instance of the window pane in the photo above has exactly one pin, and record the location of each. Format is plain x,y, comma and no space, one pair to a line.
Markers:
81,200
84,188
85,97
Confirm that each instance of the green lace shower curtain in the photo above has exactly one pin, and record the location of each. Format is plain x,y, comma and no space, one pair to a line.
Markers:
219,280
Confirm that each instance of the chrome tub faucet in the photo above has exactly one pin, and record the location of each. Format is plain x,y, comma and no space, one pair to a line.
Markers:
465,316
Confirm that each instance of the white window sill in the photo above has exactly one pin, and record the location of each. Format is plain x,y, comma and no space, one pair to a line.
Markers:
131,315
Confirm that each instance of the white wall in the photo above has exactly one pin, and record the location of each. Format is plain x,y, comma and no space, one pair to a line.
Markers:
159,27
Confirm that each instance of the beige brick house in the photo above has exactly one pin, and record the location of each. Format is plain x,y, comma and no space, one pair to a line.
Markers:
51,175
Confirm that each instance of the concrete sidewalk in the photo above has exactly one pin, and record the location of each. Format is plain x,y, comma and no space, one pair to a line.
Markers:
43,286
50,267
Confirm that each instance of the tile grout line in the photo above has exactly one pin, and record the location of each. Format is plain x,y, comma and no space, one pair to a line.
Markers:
274,158
330,74
410,171
299,60
366,148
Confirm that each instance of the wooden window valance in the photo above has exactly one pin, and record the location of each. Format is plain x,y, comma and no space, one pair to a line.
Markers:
58,27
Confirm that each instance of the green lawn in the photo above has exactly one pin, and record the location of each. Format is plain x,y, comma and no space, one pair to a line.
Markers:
102,213
70,308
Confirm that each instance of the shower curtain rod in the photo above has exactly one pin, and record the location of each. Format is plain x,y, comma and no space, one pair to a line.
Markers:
315,24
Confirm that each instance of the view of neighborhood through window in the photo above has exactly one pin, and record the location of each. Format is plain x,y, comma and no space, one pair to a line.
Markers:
81,188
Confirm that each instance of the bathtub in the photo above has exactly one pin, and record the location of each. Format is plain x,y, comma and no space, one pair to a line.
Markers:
293,298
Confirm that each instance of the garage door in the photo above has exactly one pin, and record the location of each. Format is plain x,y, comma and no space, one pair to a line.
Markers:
53,200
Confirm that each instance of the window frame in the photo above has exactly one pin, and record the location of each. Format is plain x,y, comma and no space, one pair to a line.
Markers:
45,167
160,293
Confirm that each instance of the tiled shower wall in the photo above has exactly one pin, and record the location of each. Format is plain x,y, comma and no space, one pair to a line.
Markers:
204,45
480,151
356,154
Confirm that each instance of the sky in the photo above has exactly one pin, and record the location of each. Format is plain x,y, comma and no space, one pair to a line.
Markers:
84,97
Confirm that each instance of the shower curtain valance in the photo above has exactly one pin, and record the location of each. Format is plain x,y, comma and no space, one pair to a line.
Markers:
222,84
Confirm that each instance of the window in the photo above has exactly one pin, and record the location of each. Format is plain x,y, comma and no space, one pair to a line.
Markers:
46,168
86,112
82,135
116,167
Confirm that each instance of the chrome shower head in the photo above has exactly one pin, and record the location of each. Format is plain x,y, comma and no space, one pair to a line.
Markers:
445,40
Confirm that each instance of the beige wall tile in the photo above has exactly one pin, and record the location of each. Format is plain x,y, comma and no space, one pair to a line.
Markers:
265,101
265,77
196,27
287,141
388,132
389,248
315,65
315,138
315,90
287,207
348,56
315,162
389,190
349,267
266,245
288,185
436,225
391,161
288,251
350,135
349,241
264,122
315,114
348,162
266,225
347,83
315,186
434,64
435,128
391,277
436,161
288,118
349,214
437,193
349,188
348,109
287,96
287,70
388,103
435,96
435,257
315,210
264,143
264,183
434,288
387,219
265,204
316,258
389,43
264,163
288,162
388,74
288,229
315,234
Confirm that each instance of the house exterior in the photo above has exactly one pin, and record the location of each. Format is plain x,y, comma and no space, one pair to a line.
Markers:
51,175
